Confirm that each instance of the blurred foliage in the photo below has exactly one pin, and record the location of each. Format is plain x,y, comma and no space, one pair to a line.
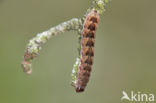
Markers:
125,51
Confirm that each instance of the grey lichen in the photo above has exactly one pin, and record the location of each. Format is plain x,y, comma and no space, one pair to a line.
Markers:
34,45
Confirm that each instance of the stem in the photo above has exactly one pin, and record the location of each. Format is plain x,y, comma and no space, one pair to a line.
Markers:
35,43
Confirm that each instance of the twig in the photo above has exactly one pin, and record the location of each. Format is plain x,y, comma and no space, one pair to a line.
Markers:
35,44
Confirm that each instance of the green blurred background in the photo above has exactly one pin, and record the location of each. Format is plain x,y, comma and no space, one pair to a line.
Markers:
125,51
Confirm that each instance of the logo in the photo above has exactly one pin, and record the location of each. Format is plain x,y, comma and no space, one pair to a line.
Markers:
137,97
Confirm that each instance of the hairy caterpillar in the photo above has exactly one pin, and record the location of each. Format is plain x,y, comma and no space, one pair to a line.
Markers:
87,50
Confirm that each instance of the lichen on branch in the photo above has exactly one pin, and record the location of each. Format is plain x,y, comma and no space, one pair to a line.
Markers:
34,45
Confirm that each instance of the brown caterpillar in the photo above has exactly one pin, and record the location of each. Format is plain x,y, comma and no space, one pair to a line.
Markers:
87,50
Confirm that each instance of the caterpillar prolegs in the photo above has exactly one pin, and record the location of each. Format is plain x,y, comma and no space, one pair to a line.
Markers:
87,51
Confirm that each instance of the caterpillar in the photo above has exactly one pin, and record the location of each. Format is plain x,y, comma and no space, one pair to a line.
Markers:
87,50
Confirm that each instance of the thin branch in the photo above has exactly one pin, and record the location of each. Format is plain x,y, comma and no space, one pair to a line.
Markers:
35,44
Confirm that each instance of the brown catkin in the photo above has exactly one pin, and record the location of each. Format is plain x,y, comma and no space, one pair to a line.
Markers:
87,50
